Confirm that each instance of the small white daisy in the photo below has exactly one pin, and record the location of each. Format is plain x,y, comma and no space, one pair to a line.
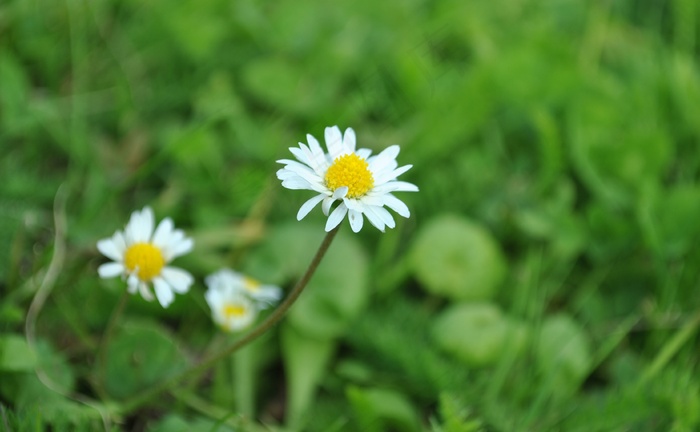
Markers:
231,309
263,295
140,255
236,299
363,183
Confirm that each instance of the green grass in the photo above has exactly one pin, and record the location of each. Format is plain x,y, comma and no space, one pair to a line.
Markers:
555,143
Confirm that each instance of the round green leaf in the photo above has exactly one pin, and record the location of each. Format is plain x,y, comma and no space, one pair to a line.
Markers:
457,258
139,356
473,332
563,353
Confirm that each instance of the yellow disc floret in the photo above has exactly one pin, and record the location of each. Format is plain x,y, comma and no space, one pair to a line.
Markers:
234,310
251,284
352,171
144,258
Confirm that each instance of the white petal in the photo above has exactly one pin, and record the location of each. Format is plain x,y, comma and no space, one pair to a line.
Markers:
364,153
304,172
299,153
386,156
133,283
297,183
162,234
145,291
340,192
314,146
374,219
356,220
110,249
383,213
111,269
349,139
397,205
395,186
391,175
179,279
334,142
308,206
164,294
143,226
336,217
326,206
149,222
174,250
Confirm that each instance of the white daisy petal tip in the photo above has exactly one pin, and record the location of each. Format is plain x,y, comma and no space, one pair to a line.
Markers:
141,255
360,181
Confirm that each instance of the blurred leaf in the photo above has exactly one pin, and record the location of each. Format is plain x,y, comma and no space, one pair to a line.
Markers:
475,333
15,354
305,360
139,356
338,290
455,417
177,423
457,258
563,354
380,410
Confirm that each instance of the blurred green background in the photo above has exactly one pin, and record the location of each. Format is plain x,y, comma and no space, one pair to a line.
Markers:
546,280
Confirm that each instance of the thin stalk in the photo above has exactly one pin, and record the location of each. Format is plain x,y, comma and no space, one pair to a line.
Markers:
264,326
670,349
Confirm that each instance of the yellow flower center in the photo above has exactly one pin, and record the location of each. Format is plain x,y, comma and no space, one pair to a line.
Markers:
234,310
352,171
251,284
144,258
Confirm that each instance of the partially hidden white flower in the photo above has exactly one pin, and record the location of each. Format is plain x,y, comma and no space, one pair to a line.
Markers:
141,255
236,299
364,184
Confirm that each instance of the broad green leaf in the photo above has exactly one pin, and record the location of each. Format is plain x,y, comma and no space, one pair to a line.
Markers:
563,353
139,356
379,409
15,354
457,258
305,360
475,333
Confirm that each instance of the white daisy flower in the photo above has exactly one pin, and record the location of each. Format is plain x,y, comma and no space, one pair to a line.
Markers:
263,295
236,299
231,309
363,184
140,255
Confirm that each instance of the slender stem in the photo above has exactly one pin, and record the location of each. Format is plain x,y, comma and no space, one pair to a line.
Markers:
106,338
670,349
264,326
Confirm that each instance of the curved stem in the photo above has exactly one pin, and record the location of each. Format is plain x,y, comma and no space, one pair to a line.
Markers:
264,326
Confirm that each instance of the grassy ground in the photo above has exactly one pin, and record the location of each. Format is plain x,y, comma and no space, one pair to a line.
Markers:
547,279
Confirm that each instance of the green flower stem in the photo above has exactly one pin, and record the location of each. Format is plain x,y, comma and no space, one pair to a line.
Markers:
140,399
243,365
670,349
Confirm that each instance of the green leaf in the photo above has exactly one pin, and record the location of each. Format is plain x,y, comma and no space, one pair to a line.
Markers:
305,360
15,354
380,410
457,258
563,353
473,332
139,356
338,290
